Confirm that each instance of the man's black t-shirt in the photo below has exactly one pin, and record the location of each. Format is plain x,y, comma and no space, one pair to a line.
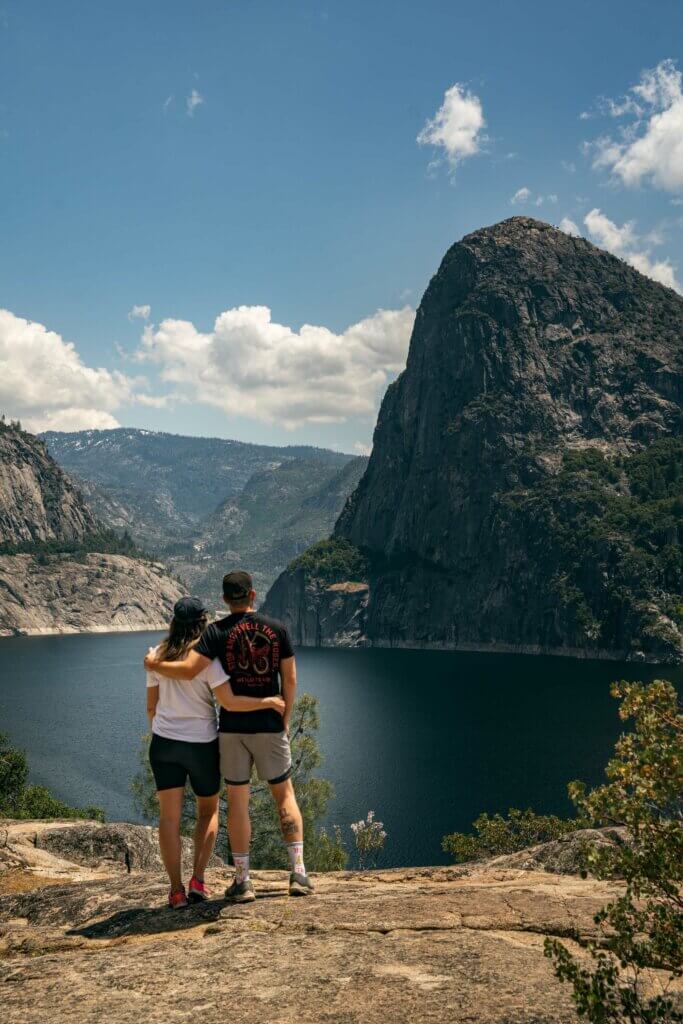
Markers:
250,648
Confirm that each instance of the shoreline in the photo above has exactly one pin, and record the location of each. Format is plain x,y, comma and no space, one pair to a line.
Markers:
527,650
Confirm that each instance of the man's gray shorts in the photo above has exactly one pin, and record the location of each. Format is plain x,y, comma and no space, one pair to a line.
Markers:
269,751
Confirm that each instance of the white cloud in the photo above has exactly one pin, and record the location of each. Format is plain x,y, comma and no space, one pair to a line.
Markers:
622,241
46,384
606,233
569,227
139,312
168,101
250,366
362,449
525,195
457,127
194,100
522,195
650,147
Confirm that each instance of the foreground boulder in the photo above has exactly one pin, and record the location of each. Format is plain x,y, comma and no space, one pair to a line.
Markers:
410,945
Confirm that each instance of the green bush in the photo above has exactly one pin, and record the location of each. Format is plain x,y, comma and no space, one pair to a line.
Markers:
497,834
103,541
642,929
333,561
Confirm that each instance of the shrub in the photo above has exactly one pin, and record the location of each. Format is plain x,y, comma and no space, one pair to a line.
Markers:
642,929
497,834
333,561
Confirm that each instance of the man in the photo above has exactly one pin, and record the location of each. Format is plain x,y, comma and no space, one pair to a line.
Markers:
256,654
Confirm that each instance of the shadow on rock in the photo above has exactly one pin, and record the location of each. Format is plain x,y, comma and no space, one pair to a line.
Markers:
155,920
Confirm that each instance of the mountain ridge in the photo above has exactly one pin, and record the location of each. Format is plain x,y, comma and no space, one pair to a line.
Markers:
61,571
539,368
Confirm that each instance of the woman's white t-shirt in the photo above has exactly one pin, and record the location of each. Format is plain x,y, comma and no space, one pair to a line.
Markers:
187,710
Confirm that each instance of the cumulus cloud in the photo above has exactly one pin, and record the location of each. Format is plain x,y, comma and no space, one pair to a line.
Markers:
650,146
46,384
250,366
457,128
569,227
194,100
361,448
525,195
624,242
522,195
139,312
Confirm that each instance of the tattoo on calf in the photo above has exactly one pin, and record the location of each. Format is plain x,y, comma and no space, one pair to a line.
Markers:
287,824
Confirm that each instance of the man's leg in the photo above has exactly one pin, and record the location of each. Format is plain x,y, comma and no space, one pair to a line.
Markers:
170,811
239,822
239,833
205,832
292,829
291,825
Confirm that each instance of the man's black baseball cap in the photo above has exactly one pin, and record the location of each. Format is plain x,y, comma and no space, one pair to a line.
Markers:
237,585
188,609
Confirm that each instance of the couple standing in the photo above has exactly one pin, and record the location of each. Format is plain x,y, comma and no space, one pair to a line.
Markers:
240,661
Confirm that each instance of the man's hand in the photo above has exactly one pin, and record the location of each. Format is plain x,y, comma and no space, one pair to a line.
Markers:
151,661
276,704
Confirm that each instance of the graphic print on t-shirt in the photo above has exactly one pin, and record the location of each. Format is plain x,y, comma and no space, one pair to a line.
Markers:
251,648
252,653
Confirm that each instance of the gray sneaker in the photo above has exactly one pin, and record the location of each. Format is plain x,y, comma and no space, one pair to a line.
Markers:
240,892
300,885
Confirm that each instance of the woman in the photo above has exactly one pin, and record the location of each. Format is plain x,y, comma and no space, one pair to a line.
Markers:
185,743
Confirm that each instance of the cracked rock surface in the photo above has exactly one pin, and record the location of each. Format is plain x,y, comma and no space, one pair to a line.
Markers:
423,944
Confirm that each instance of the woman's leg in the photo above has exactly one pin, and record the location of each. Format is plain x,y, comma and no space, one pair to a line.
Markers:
170,811
205,832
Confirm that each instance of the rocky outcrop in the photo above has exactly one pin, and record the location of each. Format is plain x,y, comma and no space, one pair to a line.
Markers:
564,856
80,850
409,945
52,580
90,594
320,614
38,502
526,468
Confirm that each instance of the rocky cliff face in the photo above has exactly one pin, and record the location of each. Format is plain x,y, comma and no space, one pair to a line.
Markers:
91,593
525,480
52,577
38,502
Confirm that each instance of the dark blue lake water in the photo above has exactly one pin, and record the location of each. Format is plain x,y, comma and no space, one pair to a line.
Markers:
425,739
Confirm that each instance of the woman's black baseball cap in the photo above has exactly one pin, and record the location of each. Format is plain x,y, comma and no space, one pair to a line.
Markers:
188,609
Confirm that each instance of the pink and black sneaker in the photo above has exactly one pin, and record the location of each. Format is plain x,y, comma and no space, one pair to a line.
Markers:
177,900
197,891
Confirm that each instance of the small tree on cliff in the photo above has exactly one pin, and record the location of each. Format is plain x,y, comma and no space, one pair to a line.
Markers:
324,852
642,930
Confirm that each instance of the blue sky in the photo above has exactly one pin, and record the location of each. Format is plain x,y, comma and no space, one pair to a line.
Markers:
195,158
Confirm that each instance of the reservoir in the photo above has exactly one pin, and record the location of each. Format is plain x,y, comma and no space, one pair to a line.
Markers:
425,739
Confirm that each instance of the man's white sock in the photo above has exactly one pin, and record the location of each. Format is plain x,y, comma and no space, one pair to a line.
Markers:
296,857
241,862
